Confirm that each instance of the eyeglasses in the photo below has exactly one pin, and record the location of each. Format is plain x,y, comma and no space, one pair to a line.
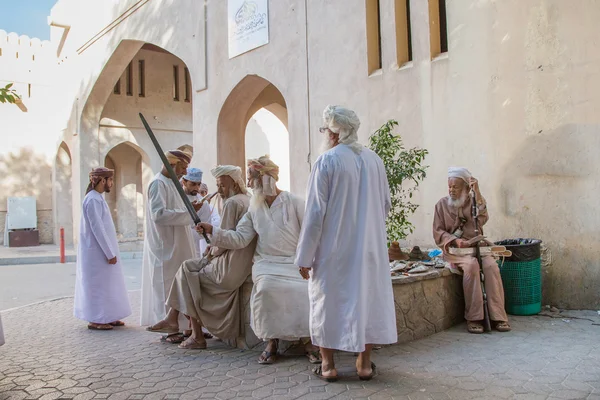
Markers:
324,129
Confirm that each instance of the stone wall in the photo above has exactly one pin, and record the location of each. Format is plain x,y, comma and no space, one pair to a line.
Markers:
425,304
44,222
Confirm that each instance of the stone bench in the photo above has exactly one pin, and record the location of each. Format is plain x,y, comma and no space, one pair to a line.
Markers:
425,304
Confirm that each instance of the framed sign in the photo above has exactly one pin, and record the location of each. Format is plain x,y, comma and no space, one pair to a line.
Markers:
248,23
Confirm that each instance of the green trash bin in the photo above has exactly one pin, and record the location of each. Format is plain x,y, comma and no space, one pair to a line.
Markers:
522,276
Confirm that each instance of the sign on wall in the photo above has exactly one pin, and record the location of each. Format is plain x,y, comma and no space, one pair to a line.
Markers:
248,22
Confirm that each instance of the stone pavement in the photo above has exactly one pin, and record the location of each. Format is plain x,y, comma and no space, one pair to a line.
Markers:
51,355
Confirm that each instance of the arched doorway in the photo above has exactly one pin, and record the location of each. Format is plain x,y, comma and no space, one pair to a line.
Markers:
62,194
266,134
139,77
126,199
252,123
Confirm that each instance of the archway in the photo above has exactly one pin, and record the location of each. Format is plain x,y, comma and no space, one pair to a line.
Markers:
266,134
138,77
62,194
253,122
126,199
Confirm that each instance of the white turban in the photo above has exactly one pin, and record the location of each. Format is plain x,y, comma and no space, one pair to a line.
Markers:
234,172
345,123
459,172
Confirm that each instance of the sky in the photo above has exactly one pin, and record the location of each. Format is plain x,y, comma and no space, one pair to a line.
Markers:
26,17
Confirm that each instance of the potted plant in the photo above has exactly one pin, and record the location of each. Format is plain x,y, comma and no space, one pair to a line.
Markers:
405,171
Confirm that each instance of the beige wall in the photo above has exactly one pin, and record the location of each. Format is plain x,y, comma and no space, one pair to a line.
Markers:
514,100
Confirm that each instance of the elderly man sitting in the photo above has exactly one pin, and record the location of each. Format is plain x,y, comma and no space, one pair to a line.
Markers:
279,303
453,226
207,289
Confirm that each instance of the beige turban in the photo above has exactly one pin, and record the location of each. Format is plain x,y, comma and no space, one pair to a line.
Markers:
175,156
269,171
345,123
234,172
459,172
96,176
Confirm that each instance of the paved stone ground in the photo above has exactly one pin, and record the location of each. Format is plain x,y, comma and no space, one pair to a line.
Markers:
51,355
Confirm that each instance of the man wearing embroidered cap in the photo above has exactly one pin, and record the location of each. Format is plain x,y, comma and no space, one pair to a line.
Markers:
207,289
279,307
100,294
192,183
453,226
167,240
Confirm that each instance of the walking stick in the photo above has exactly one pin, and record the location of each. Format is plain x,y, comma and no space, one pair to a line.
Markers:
173,176
487,325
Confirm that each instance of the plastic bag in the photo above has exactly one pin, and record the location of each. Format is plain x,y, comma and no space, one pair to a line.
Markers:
522,249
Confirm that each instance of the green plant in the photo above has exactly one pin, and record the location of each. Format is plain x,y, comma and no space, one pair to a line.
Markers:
8,95
404,172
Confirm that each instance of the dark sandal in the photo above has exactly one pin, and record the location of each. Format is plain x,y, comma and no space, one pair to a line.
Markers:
371,375
117,323
314,357
99,327
318,371
173,338
267,357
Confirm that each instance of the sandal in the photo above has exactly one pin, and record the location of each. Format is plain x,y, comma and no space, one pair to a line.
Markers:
474,327
371,375
117,323
99,327
318,371
163,327
192,344
314,357
173,338
269,357
503,326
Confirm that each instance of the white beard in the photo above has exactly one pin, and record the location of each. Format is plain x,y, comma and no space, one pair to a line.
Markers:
458,203
258,197
326,145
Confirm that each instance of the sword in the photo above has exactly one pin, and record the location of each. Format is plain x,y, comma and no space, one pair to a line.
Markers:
173,176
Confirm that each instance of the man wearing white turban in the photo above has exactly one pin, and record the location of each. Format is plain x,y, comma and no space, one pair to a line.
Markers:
207,289
453,226
167,241
342,249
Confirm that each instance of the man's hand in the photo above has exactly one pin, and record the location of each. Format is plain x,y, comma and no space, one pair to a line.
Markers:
461,243
204,227
197,205
304,272
113,260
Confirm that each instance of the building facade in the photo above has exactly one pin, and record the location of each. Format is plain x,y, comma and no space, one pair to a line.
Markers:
506,88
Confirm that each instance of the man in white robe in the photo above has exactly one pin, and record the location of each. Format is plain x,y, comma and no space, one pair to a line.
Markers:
1,332
100,293
342,249
208,289
279,307
191,183
215,218
167,242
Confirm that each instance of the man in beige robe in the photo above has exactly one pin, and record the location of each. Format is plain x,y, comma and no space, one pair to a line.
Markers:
207,289
453,226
